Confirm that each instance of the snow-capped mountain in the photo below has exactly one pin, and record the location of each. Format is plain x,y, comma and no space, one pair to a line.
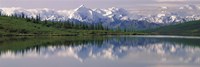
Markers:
173,15
112,17
81,13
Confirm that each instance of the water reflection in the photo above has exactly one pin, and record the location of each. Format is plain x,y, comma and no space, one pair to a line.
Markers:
119,48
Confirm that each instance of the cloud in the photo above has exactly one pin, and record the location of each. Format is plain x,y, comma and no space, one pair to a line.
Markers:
172,0
70,4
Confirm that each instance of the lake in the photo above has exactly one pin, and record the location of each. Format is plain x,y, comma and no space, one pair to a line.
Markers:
100,51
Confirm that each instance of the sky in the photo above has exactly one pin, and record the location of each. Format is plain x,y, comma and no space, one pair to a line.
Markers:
71,4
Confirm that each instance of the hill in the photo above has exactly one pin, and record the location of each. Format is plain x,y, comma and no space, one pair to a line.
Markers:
12,26
187,28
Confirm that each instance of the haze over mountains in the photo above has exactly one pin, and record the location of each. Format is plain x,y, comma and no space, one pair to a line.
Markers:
113,17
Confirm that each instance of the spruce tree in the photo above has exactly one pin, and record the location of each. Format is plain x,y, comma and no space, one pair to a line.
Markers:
0,13
22,15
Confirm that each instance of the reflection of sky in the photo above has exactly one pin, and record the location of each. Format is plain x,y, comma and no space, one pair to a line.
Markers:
129,51
69,4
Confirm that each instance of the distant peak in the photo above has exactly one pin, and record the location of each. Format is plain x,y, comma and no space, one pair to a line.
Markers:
113,8
190,7
82,8
164,7
116,8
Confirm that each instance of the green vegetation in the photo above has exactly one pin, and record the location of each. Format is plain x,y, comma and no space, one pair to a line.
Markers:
191,28
20,25
14,26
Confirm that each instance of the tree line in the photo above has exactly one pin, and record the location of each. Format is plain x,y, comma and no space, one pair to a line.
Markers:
66,24
59,24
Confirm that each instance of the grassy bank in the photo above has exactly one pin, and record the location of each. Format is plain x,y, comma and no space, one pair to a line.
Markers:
191,28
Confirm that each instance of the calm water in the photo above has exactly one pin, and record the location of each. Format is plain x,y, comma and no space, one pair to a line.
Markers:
107,51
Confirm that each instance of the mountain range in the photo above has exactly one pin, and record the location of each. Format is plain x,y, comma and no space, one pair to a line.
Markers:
113,17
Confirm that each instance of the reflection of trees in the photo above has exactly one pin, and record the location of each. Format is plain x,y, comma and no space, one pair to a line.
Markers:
25,43
108,47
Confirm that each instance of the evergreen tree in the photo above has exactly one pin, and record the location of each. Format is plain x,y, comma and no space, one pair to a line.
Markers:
0,13
36,19
22,15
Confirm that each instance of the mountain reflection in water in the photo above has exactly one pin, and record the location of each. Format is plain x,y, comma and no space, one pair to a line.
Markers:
185,50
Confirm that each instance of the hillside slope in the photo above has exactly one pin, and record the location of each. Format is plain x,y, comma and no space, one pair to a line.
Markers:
19,26
188,28
11,26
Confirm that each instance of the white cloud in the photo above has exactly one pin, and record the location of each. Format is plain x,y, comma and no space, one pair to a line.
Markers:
70,4
172,0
